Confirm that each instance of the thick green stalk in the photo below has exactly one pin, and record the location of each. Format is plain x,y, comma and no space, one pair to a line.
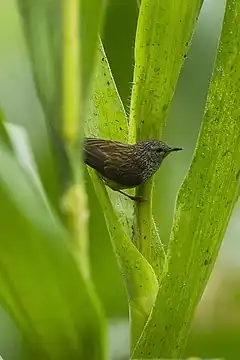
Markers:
162,40
204,204
75,199
72,94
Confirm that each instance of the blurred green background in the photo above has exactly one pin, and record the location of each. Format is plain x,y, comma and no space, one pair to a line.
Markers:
216,327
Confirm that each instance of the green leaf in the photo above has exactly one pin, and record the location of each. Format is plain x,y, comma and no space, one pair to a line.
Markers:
44,24
204,204
41,26
43,21
4,136
39,273
50,294
162,40
107,119
21,149
139,278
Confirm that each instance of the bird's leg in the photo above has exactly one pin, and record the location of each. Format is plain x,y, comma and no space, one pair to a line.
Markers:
139,199
134,198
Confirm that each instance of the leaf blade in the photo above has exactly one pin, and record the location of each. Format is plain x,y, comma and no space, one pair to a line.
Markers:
39,235
204,205
162,40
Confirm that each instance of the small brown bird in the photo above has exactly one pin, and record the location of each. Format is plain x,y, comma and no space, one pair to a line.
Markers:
125,166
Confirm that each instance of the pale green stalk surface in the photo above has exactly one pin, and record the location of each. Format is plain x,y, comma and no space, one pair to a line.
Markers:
162,40
204,204
163,33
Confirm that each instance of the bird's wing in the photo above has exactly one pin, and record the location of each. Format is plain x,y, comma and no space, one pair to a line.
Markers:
127,177
111,159
123,171
98,151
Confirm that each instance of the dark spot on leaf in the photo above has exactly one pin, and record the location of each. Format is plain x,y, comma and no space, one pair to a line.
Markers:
103,59
108,83
238,175
164,108
206,262
145,237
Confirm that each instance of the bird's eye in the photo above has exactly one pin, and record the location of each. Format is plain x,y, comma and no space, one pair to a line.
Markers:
156,148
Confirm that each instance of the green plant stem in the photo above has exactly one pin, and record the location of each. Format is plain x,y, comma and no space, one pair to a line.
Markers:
71,72
143,214
139,278
204,205
162,40
73,116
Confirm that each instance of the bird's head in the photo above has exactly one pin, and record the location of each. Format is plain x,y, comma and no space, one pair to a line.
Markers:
160,149
152,153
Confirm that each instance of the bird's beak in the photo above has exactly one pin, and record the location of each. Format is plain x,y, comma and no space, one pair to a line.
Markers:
171,149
